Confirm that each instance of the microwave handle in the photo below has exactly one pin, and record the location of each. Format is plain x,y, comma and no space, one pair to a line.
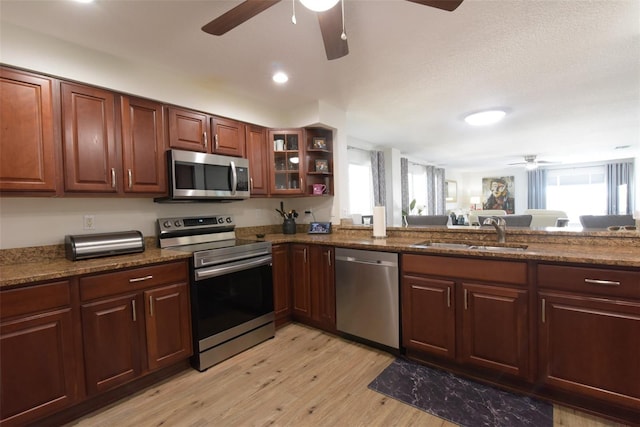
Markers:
234,178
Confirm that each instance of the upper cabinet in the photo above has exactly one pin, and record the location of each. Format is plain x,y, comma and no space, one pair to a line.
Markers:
228,137
319,161
28,133
195,131
287,161
88,137
258,155
188,130
143,162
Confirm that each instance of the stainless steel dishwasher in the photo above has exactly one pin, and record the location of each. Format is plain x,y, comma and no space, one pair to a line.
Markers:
367,291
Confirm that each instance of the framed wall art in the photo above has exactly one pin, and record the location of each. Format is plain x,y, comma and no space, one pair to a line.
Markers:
499,193
451,191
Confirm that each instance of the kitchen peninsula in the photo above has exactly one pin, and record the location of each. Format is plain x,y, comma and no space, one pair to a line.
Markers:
535,283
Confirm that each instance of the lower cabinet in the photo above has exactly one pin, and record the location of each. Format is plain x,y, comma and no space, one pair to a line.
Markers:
468,311
313,280
38,373
134,321
281,284
589,332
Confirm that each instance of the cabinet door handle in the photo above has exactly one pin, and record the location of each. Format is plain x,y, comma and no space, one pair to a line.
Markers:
150,306
305,255
205,140
602,282
113,177
544,310
301,182
140,279
216,140
448,296
130,178
251,182
466,299
329,258
133,309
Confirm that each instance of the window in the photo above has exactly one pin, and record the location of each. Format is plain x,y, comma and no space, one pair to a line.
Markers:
360,182
418,187
577,191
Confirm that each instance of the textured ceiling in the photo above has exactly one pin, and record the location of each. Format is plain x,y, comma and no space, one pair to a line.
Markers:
568,71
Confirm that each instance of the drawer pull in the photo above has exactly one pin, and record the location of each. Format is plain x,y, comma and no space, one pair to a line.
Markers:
602,282
140,279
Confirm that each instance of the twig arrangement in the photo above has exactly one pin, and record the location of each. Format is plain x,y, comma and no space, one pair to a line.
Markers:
292,214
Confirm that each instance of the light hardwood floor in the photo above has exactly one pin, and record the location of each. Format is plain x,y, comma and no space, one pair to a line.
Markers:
302,377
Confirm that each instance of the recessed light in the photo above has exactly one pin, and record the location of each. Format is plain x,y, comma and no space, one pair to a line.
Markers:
280,77
485,118
83,1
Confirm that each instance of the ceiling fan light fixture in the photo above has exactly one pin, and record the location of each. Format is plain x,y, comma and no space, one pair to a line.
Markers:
280,77
485,118
531,166
319,5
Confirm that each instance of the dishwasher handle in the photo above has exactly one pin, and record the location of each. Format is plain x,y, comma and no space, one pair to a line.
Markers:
366,261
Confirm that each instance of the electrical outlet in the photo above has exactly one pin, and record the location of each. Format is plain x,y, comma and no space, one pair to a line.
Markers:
89,222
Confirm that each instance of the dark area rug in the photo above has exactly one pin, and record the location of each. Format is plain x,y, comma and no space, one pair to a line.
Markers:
459,400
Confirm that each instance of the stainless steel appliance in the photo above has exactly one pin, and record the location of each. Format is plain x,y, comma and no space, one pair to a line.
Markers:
86,246
367,296
231,286
201,176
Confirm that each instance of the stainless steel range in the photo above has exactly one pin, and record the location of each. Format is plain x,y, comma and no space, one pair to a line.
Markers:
231,286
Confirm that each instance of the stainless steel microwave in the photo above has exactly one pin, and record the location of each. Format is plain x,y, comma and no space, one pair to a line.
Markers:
201,177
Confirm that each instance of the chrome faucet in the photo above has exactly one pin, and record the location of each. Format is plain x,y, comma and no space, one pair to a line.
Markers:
500,225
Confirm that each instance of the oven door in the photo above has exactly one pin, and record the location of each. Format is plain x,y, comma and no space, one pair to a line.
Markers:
230,300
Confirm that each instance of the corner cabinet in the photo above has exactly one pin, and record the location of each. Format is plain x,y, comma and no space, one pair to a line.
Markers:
40,353
286,164
468,311
319,161
28,141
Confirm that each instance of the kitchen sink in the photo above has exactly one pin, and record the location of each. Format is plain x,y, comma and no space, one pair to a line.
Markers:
443,245
498,248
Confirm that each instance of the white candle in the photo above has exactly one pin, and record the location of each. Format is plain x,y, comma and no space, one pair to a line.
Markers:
379,222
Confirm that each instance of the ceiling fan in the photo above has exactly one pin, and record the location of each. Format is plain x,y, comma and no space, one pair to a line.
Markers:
331,20
531,162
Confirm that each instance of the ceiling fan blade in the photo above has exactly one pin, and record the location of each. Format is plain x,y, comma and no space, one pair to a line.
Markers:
236,16
331,28
448,5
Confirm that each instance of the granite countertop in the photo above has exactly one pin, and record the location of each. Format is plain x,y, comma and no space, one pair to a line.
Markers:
29,265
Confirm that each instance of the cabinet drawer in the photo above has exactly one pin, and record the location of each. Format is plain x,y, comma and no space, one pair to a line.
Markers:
466,268
33,299
598,281
101,285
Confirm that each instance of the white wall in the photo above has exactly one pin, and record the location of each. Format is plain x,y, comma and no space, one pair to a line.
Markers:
43,221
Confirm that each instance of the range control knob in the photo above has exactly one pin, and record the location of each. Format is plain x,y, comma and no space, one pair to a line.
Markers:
177,223
228,220
166,224
220,220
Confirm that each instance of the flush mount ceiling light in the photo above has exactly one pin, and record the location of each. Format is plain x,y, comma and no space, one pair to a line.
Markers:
485,118
280,77
319,5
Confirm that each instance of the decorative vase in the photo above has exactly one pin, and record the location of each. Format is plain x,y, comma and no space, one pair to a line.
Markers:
289,226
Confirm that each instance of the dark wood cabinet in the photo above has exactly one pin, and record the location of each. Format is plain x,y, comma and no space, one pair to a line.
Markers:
428,315
319,160
143,160
89,145
313,278
28,141
282,292
168,325
494,328
38,373
468,311
228,137
188,129
589,332
112,343
134,322
258,155
286,165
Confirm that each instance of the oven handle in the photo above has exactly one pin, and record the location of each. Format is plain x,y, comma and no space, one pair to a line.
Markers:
205,273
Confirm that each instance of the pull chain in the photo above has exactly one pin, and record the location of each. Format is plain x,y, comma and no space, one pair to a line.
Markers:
293,17
343,36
